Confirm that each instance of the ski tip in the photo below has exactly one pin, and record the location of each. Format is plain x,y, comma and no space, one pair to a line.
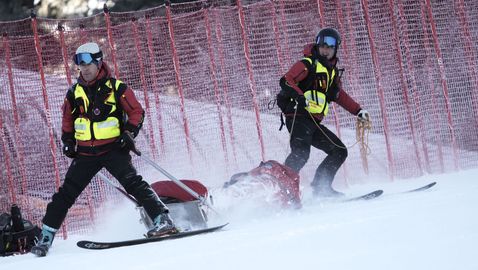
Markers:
431,184
92,245
425,187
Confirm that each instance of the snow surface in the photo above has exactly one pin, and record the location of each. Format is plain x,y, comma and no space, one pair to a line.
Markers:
435,229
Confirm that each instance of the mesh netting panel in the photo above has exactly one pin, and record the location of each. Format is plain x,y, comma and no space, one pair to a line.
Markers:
205,72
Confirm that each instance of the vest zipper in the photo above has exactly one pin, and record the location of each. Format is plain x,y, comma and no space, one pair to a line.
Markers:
92,134
127,102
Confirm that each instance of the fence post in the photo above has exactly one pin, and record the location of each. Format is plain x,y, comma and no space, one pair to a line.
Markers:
252,83
470,57
177,72
320,8
212,67
444,83
345,49
106,12
279,50
431,83
380,92
3,143
408,71
47,107
225,89
20,145
403,81
287,57
144,86
154,77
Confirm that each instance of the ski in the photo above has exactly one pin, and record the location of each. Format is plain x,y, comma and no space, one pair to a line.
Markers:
425,187
371,195
106,245
377,193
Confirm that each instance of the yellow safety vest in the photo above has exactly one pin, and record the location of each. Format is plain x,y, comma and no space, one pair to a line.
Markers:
316,99
85,129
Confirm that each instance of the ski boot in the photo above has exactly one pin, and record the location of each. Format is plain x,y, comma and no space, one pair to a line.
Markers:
327,193
163,225
46,239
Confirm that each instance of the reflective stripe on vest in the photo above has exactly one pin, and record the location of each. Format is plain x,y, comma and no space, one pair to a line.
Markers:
316,99
85,129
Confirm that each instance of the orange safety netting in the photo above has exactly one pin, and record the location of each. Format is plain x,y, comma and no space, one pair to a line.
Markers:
206,71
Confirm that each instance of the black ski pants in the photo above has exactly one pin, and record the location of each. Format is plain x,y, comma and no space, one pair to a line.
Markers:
83,168
306,133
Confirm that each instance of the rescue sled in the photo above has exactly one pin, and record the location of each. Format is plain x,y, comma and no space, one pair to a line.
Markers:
186,200
187,203
186,211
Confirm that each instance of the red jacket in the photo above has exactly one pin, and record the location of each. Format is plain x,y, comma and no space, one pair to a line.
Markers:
299,72
128,105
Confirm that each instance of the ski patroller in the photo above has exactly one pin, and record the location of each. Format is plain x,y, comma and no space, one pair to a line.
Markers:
93,245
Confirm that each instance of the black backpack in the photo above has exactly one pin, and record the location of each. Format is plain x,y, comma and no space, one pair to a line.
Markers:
16,242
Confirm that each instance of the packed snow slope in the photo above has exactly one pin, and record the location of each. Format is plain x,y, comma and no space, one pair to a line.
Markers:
434,229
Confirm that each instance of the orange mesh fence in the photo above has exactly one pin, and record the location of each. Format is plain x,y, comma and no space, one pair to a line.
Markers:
206,73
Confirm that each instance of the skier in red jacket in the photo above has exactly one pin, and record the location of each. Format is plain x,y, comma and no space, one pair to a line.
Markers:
307,89
101,118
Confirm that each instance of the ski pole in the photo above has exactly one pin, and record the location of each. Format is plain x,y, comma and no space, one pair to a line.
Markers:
109,182
174,179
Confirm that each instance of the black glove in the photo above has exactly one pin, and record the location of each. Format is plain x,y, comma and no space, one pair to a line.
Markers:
126,142
302,101
69,148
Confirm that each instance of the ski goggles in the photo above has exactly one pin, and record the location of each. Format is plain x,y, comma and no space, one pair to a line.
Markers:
86,58
327,40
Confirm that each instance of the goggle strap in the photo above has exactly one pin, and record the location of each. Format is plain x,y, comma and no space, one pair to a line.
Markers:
93,56
97,55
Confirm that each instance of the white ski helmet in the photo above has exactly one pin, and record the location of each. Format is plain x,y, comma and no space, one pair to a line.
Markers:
87,53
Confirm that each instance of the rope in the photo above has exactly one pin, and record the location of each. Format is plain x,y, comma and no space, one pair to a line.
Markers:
361,135
362,130
293,123
293,120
